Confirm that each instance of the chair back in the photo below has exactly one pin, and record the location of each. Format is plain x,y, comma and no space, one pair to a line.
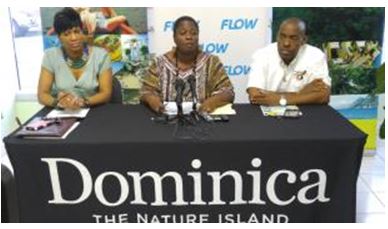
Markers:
116,91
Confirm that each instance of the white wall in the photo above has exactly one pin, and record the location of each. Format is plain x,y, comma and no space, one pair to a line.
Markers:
29,47
9,83
231,33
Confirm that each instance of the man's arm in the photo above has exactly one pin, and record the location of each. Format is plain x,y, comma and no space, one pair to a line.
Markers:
316,92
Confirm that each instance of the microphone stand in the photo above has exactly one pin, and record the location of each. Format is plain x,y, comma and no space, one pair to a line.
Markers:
194,114
185,124
179,118
181,121
180,87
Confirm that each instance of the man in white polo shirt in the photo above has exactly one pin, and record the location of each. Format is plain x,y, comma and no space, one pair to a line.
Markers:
289,71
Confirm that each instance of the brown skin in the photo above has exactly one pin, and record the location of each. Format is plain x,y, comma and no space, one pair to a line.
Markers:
114,21
186,40
154,102
72,42
316,92
289,40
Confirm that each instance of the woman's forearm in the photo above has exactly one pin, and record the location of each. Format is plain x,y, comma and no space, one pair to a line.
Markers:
47,100
99,98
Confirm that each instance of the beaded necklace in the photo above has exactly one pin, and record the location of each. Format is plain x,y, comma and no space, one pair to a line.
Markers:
194,66
79,62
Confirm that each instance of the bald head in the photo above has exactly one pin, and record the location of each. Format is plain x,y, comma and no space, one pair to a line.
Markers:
296,22
291,36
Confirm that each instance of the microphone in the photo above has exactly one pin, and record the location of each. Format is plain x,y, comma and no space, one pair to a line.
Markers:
179,88
192,82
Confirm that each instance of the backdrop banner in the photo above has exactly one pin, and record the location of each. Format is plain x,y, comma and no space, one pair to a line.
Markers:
233,34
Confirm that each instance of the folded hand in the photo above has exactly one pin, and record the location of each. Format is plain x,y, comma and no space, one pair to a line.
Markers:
316,85
207,106
67,100
257,96
155,103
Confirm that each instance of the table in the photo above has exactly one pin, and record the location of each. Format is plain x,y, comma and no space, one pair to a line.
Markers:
119,166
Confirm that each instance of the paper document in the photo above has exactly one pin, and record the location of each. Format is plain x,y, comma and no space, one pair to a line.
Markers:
171,108
80,113
276,110
224,110
187,107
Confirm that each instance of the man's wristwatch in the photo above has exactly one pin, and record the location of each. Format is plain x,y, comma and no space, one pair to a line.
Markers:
282,101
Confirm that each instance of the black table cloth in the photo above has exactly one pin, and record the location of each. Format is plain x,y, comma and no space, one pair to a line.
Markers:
119,166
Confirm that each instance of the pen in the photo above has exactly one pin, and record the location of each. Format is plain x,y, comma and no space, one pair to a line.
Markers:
18,121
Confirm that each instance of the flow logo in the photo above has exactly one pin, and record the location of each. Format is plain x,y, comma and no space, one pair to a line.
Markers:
237,70
169,25
239,23
214,47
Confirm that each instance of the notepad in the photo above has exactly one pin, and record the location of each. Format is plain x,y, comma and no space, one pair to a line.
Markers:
276,111
80,113
59,130
171,108
224,110
187,107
